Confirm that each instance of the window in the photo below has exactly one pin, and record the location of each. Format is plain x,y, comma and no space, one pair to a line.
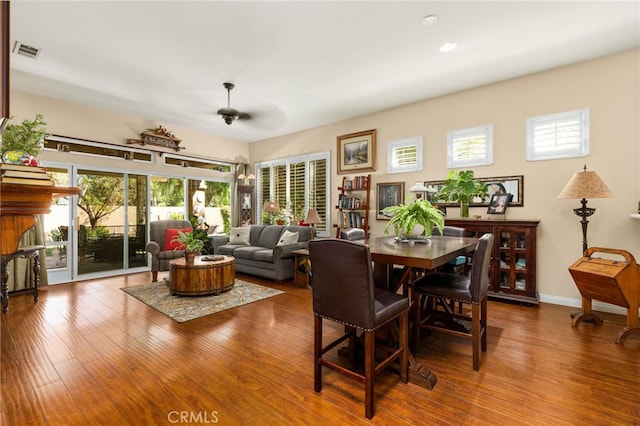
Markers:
404,155
561,135
470,147
297,185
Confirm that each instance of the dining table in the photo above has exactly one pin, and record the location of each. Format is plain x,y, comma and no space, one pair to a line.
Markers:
398,262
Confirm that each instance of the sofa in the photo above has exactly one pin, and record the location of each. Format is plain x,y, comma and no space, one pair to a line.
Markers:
263,250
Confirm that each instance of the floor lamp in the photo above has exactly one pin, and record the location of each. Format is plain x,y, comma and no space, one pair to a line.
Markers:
585,185
581,186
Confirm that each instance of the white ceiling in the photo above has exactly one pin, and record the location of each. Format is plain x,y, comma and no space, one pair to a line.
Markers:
296,65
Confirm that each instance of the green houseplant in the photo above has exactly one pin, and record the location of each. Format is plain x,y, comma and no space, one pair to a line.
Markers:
461,187
191,242
420,212
24,138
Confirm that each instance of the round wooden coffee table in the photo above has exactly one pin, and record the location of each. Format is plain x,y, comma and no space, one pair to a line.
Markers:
203,277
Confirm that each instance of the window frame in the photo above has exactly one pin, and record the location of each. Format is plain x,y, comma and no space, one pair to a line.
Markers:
582,116
452,139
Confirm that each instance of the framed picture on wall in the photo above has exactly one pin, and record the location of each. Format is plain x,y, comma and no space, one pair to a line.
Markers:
388,194
357,152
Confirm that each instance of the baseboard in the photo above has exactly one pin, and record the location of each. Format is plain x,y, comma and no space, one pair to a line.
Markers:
577,303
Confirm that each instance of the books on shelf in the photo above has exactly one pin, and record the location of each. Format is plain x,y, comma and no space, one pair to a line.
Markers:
24,175
358,182
345,202
350,220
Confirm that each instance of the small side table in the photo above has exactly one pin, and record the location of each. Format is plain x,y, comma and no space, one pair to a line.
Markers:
302,267
27,251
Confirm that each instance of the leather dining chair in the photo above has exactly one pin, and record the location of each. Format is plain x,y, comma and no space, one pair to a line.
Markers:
352,234
469,290
344,292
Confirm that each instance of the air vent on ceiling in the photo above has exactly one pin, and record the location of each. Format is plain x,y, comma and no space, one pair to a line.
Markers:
24,49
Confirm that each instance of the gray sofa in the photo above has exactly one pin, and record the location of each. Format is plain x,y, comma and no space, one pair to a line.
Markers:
263,257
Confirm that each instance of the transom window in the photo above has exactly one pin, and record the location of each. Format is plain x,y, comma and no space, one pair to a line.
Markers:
404,155
562,135
470,147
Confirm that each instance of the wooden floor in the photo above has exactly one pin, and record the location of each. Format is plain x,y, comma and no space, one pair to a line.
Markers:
89,354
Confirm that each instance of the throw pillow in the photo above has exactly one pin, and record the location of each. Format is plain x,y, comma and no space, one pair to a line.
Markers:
169,242
288,237
239,236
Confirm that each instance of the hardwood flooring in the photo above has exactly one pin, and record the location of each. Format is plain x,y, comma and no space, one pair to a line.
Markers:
89,354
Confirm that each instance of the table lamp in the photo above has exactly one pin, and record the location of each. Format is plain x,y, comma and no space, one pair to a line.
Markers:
583,185
272,208
312,218
419,189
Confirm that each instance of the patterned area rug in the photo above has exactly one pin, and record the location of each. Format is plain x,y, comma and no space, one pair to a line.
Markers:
185,308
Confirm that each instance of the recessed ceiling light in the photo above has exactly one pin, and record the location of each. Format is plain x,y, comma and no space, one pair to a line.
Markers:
429,19
448,47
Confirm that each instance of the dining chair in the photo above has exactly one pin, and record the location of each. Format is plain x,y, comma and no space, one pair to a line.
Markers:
344,292
352,234
443,288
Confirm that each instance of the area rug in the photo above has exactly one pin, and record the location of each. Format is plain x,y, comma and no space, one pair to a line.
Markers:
186,308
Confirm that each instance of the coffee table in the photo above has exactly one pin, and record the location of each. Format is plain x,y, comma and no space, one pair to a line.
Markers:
202,277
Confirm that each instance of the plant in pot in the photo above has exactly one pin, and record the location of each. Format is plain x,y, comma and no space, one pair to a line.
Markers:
404,218
461,187
21,143
191,242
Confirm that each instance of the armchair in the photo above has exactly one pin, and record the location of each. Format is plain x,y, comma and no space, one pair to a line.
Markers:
157,246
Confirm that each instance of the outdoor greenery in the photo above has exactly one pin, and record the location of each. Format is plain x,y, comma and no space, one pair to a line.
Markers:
101,196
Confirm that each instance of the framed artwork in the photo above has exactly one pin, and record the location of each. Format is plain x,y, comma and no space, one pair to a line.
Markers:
498,203
357,152
512,185
388,194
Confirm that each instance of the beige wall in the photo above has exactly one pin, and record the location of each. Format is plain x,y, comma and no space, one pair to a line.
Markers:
608,86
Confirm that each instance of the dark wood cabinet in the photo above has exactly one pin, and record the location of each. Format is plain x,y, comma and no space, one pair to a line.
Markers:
354,203
513,259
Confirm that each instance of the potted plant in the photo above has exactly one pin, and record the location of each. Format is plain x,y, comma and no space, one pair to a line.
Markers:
461,187
420,212
21,143
191,242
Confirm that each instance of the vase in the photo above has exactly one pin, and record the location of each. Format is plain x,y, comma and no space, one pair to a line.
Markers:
464,209
190,257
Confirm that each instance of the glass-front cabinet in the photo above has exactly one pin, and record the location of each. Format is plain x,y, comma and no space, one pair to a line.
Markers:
513,258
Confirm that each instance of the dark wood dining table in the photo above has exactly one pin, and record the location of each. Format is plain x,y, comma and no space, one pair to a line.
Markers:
417,256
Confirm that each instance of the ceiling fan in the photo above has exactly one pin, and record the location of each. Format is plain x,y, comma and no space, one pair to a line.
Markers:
228,114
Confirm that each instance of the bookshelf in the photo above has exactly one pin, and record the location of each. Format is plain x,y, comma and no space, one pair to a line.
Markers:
354,195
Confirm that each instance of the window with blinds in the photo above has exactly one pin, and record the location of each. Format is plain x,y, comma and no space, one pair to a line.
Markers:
404,155
470,147
297,184
562,135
